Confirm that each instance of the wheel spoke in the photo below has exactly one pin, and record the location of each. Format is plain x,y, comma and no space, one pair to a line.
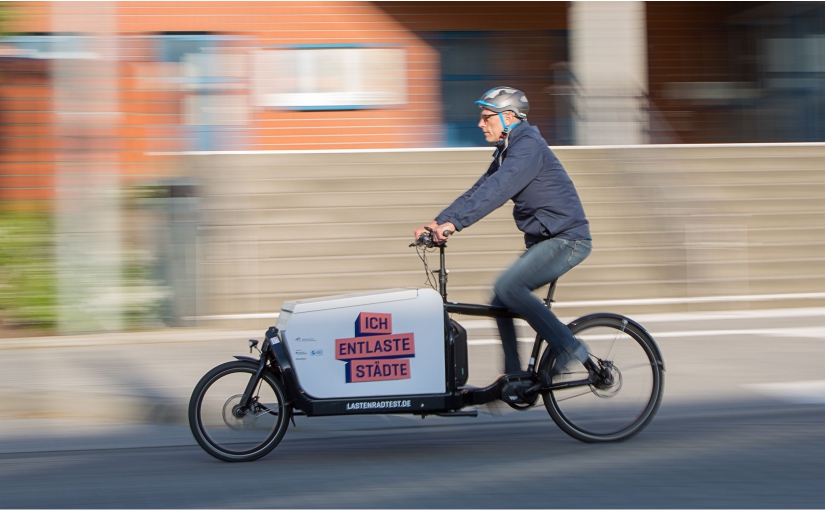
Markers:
574,396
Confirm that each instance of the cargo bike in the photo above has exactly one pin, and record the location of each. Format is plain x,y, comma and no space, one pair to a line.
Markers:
399,352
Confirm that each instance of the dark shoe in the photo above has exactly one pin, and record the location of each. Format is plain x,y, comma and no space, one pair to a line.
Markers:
564,363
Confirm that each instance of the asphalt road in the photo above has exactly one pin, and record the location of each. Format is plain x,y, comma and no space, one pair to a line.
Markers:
741,426
756,457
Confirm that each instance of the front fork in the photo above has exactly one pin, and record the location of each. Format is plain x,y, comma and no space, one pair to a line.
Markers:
248,393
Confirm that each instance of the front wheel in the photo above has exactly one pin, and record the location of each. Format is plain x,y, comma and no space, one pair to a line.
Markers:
223,427
621,408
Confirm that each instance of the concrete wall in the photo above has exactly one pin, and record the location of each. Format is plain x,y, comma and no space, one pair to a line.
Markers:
683,226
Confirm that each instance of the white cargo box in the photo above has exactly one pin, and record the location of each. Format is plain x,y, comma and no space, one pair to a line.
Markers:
370,344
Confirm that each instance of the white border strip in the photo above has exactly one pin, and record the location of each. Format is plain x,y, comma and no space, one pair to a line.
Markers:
804,332
571,304
475,149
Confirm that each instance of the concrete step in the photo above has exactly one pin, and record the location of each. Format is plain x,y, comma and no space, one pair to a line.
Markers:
216,250
739,198
318,224
385,182
501,234
345,207
698,191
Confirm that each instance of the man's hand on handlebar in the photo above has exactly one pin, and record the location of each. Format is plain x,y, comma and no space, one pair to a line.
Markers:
443,231
433,233
423,229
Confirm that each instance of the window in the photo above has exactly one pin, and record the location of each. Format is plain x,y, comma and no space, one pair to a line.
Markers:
325,77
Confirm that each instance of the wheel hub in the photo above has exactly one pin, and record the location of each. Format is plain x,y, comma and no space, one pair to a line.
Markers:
609,381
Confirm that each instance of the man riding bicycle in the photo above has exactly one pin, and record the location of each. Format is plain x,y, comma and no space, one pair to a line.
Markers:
547,209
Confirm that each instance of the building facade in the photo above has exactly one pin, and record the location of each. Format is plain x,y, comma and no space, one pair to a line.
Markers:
202,76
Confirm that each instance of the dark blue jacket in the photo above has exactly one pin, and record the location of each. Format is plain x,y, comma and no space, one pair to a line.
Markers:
546,202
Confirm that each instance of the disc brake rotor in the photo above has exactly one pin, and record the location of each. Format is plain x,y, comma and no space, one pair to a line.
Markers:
603,391
230,407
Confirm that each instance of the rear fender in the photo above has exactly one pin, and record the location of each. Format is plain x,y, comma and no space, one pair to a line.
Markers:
657,353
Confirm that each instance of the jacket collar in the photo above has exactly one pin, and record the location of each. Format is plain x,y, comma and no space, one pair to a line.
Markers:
513,135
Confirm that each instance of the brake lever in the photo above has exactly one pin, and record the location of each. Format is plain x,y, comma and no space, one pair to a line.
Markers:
423,240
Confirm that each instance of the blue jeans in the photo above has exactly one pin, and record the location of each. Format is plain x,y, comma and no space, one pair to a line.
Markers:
540,265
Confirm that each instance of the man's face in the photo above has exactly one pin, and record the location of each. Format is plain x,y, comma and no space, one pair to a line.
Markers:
490,124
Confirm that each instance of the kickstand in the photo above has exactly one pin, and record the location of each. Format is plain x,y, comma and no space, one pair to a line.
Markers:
293,420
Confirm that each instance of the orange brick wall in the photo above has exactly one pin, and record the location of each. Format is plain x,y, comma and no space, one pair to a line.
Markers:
279,23
27,139
151,117
26,120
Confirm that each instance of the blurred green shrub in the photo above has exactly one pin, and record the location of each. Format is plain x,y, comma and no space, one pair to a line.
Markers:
29,280
27,270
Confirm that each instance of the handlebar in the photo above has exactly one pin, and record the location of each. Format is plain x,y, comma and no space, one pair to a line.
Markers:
426,238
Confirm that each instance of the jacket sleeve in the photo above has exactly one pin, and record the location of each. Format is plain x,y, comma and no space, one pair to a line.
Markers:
448,213
522,165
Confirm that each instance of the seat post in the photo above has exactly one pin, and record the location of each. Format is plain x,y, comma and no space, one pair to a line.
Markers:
552,290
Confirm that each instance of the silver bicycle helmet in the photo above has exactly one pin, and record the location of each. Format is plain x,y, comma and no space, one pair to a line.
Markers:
502,99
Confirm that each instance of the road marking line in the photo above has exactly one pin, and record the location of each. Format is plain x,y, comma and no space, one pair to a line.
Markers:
795,392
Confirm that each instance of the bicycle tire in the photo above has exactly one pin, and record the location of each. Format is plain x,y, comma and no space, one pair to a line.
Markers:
598,416
235,444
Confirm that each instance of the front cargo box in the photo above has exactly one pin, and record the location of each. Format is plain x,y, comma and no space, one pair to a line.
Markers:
370,344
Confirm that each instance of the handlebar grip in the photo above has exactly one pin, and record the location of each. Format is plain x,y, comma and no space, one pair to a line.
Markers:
448,233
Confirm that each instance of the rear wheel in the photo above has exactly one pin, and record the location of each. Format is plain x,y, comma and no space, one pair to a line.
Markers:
228,431
621,408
